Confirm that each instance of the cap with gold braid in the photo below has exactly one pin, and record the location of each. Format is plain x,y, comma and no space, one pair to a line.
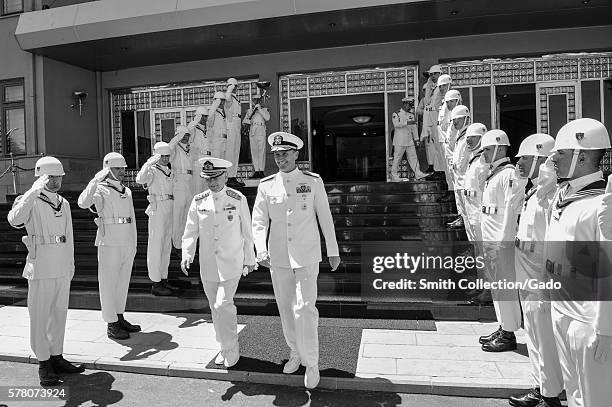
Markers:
282,141
212,167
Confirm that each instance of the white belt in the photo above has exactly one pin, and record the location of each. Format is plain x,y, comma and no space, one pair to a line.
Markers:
50,239
492,210
558,268
257,124
188,172
116,221
470,192
162,197
528,246
430,109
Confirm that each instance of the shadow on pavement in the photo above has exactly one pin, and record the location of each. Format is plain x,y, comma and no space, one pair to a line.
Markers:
146,344
95,388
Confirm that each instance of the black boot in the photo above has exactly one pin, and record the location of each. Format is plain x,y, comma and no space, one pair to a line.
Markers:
457,225
549,402
181,283
169,285
116,331
488,338
530,399
126,325
504,342
61,365
160,290
46,374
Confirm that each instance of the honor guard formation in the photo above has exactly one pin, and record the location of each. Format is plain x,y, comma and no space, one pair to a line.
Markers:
519,217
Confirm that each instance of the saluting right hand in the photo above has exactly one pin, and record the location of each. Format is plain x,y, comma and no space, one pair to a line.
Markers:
101,175
40,183
154,159
185,266
264,259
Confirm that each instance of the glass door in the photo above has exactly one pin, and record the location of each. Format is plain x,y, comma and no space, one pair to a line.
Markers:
556,105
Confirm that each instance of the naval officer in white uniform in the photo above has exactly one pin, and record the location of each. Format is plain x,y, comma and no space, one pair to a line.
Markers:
49,266
288,205
220,218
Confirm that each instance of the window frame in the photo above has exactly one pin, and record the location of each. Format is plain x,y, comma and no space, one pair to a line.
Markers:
4,107
3,13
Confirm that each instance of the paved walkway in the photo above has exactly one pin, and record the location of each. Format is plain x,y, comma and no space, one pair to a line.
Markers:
448,361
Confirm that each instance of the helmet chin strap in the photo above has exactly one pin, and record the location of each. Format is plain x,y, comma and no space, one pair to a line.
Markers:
111,175
494,155
533,166
572,168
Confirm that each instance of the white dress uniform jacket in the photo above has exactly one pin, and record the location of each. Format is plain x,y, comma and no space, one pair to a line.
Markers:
288,205
49,266
405,127
574,216
157,180
222,222
257,118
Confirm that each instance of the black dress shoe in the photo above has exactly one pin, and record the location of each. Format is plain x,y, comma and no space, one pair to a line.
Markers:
484,298
530,399
457,225
455,221
504,342
549,402
169,285
46,374
61,365
116,331
160,290
180,283
488,338
126,325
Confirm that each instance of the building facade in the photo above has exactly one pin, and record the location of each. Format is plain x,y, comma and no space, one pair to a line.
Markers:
83,78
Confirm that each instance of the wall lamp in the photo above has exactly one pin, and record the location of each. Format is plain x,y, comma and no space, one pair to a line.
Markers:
79,100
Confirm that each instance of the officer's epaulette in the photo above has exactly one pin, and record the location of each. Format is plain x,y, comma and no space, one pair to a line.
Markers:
233,194
312,174
201,195
268,178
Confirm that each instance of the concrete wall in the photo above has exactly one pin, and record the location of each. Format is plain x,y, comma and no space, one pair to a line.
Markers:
424,52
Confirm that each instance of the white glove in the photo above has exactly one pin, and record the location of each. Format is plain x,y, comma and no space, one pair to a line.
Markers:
248,268
40,183
101,175
264,259
518,193
153,159
547,182
185,264
602,345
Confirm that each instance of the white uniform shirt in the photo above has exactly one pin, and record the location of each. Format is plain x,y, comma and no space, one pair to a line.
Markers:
47,218
257,119
444,122
576,220
113,201
232,110
289,205
222,222
405,127
430,117
605,215
461,159
473,185
218,125
158,181
498,220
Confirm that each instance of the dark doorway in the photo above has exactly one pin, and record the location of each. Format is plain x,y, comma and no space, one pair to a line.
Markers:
348,137
516,112
128,145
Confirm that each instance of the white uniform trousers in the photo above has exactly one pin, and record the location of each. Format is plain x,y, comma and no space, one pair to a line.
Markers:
159,245
48,307
258,152
296,295
460,203
430,138
411,156
232,152
545,368
182,200
220,297
587,382
114,272
499,260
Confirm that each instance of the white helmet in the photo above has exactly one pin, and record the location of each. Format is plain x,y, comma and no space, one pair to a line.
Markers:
460,111
582,134
161,148
452,94
444,79
201,111
181,130
48,166
539,145
112,160
495,137
476,130
219,95
232,81
435,69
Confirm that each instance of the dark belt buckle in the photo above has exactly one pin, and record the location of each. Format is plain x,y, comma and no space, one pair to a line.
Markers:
60,239
550,267
128,220
517,242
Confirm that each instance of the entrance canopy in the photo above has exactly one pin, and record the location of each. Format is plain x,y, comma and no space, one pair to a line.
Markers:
116,34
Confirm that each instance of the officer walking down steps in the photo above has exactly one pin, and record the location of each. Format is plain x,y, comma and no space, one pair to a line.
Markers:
220,218
116,241
288,204
49,266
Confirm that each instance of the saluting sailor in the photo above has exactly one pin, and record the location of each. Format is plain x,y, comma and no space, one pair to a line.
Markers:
217,126
49,266
200,145
545,369
220,218
115,239
288,205
256,117
181,159
581,311
473,182
233,110
460,117
498,225
156,177
451,100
